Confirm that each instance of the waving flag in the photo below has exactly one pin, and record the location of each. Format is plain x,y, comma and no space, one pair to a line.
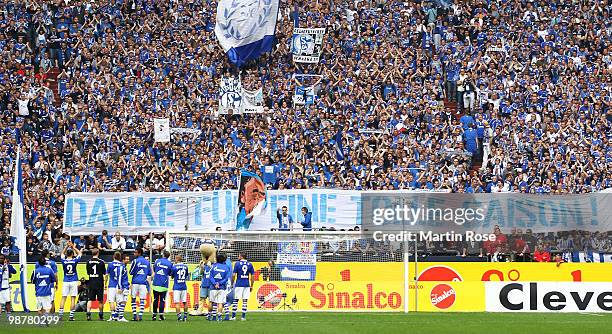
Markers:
18,230
245,28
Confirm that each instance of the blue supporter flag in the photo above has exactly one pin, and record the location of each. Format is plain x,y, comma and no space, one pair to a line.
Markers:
245,28
270,173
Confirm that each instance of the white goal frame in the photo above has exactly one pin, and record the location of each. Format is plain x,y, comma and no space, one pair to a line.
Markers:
307,236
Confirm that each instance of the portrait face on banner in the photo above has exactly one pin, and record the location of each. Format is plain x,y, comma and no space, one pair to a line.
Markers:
252,195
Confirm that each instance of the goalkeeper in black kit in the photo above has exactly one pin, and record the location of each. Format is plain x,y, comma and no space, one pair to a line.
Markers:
96,269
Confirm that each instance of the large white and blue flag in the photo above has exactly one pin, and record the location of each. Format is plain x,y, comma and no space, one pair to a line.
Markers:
18,230
245,28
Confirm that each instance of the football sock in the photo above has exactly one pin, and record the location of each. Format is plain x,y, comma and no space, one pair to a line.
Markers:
141,309
234,307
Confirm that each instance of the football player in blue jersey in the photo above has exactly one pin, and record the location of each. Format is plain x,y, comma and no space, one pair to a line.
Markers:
180,272
53,266
141,276
220,275
6,270
161,277
70,287
43,278
118,286
243,284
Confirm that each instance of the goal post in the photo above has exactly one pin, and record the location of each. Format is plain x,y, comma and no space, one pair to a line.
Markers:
323,259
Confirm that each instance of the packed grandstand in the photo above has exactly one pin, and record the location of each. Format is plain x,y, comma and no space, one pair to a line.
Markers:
463,97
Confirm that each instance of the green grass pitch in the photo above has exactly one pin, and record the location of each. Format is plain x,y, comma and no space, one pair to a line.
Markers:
338,323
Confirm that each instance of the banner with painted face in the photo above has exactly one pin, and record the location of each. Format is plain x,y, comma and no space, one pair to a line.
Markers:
307,44
251,199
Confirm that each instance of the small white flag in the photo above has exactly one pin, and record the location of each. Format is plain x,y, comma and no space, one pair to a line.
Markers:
162,130
252,101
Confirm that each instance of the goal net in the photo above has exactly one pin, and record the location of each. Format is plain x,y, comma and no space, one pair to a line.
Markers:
290,252
308,271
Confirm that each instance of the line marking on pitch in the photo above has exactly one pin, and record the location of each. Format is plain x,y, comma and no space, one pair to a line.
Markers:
595,314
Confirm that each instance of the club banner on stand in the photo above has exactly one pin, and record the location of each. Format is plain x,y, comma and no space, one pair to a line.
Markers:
230,96
252,101
389,212
303,96
162,130
186,131
144,212
245,28
307,44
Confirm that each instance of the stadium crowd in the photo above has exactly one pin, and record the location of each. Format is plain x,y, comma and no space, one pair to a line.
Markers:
471,96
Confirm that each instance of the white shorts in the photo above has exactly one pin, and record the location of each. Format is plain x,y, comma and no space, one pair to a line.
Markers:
241,292
52,293
218,296
179,296
139,290
70,289
44,302
5,296
115,296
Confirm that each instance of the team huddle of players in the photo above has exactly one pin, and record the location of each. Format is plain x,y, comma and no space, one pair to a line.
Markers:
221,285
